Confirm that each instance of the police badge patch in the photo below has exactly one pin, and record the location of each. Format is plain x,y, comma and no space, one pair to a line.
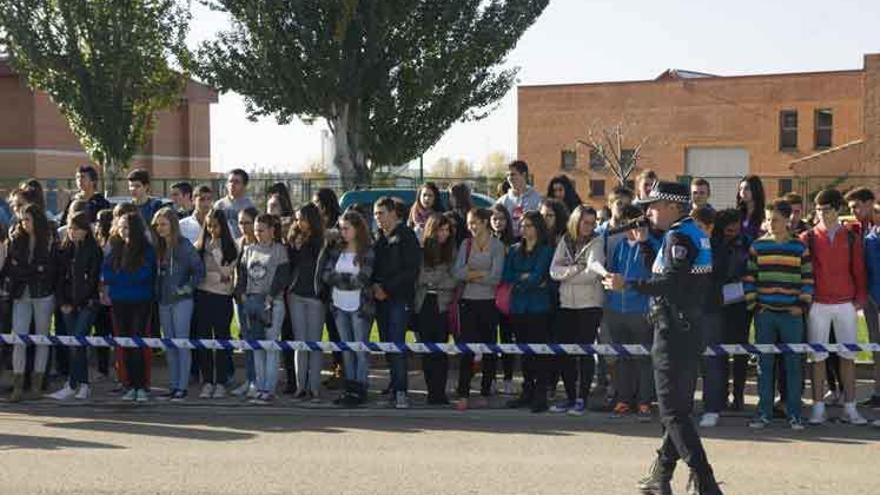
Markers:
679,252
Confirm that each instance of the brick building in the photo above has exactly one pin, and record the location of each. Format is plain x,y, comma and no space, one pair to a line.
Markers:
35,140
797,131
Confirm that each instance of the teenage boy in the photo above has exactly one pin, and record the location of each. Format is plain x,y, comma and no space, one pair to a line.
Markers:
87,190
521,197
700,193
236,199
139,188
796,223
191,226
839,292
182,197
779,289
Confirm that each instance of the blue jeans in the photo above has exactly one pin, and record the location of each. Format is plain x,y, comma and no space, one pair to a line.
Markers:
354,328
79,323
392,319
265,361
245,333
771,328
175,319
714,386
25,310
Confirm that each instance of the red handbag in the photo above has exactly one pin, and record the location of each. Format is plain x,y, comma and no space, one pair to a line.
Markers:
503,294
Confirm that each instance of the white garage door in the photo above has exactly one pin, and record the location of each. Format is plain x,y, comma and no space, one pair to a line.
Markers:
722,167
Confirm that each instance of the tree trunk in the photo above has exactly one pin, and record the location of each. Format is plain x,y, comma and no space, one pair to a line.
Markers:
350,159
111,173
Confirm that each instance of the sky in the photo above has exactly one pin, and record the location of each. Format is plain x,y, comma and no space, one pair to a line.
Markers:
590,41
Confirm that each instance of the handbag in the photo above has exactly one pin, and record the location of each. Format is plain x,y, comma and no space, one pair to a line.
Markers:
503,294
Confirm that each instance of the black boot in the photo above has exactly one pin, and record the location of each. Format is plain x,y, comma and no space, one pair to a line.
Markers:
703,483
658,478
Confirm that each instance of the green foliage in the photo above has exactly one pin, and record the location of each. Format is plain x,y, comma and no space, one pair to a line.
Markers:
389,76
105,63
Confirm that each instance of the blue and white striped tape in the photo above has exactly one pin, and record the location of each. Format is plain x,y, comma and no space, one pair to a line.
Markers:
420,347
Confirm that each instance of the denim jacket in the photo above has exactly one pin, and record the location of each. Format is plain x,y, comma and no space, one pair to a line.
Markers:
180,273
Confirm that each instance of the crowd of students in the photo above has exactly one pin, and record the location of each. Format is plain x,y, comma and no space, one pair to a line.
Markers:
529,269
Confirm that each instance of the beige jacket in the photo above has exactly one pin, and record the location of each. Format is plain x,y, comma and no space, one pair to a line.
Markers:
579,274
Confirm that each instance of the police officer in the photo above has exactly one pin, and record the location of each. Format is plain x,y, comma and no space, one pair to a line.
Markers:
681,277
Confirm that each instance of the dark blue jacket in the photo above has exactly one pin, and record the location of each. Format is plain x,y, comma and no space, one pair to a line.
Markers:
534,293
181,273
125,286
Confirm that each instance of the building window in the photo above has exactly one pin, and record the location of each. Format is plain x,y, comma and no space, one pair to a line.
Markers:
597,161
569,160
785,186
788,124
597,188
627,159
824,122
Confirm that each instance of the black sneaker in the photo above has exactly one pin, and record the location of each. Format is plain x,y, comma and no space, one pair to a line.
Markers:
657,480
703,483
873,402
518,403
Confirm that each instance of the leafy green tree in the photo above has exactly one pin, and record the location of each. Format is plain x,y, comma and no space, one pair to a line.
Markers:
105,63
388,76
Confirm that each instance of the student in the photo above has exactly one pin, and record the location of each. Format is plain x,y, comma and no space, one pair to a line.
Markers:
280,205
646,181
262,275
326,201
245,224
434,294
180,271
398,258
527,269
236,199
502,228
521,197
797,225
191,226
213,312
31,270
103,321
427,203
701,191
779,287
129,272
182,199
347,273
479,265
578,267
460,204
79,266
750,201
840,290
139,188
556,218
561,188
87,190
307,311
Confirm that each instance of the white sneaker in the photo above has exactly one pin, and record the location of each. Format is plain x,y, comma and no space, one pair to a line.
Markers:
240,390
207,391
84,392
710,420
507,387
141,395
876,423
130,396
65,393
252,392
851,415
817,415
219,392
400,401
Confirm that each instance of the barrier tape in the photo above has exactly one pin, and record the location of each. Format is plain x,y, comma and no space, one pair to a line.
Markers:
419,347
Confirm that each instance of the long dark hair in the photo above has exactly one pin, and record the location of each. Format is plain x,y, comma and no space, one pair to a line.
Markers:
460,198
758,198
227,244
40,224
312,215
434,252
362,234
722,219
280,189
36,189
130,256
417,208
79,220
103,225
271,221
571,199
506,236
538,221
560,212
326,200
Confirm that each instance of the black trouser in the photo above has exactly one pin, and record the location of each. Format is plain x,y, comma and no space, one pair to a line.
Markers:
479,325
60,355
577,326
737,321
676,356
333,334
505,332
103,328
133,319
288,356
213,318
536,369
432,328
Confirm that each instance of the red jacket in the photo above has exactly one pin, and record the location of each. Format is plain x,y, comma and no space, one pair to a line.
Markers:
839,279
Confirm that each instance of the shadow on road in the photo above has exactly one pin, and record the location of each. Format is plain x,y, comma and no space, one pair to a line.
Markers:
14,442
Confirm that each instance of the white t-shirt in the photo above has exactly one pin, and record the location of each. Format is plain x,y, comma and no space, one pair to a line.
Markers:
347,300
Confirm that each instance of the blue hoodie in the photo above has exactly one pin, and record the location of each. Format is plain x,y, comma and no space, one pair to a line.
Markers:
628,260
134,286
533,294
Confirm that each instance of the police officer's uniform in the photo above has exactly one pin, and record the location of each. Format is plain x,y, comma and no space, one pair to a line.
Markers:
679,286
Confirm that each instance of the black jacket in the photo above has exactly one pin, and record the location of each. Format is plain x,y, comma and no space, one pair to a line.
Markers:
398,258
39,275
79,269
96,203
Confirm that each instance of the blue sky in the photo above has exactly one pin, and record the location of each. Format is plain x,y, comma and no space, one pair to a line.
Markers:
589,41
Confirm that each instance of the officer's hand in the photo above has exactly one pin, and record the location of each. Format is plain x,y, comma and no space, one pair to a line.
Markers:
613,281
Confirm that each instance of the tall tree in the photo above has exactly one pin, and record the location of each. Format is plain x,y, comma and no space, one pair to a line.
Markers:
388,76
105,63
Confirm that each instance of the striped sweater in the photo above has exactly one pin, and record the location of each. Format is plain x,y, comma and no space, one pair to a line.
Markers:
779,275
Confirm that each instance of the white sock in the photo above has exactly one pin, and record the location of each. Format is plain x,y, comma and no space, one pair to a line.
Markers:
850,406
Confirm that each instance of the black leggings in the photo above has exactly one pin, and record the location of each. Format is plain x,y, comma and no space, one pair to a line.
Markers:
479,323
505,332
133,319
536,369
213,318
577,326
432,328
